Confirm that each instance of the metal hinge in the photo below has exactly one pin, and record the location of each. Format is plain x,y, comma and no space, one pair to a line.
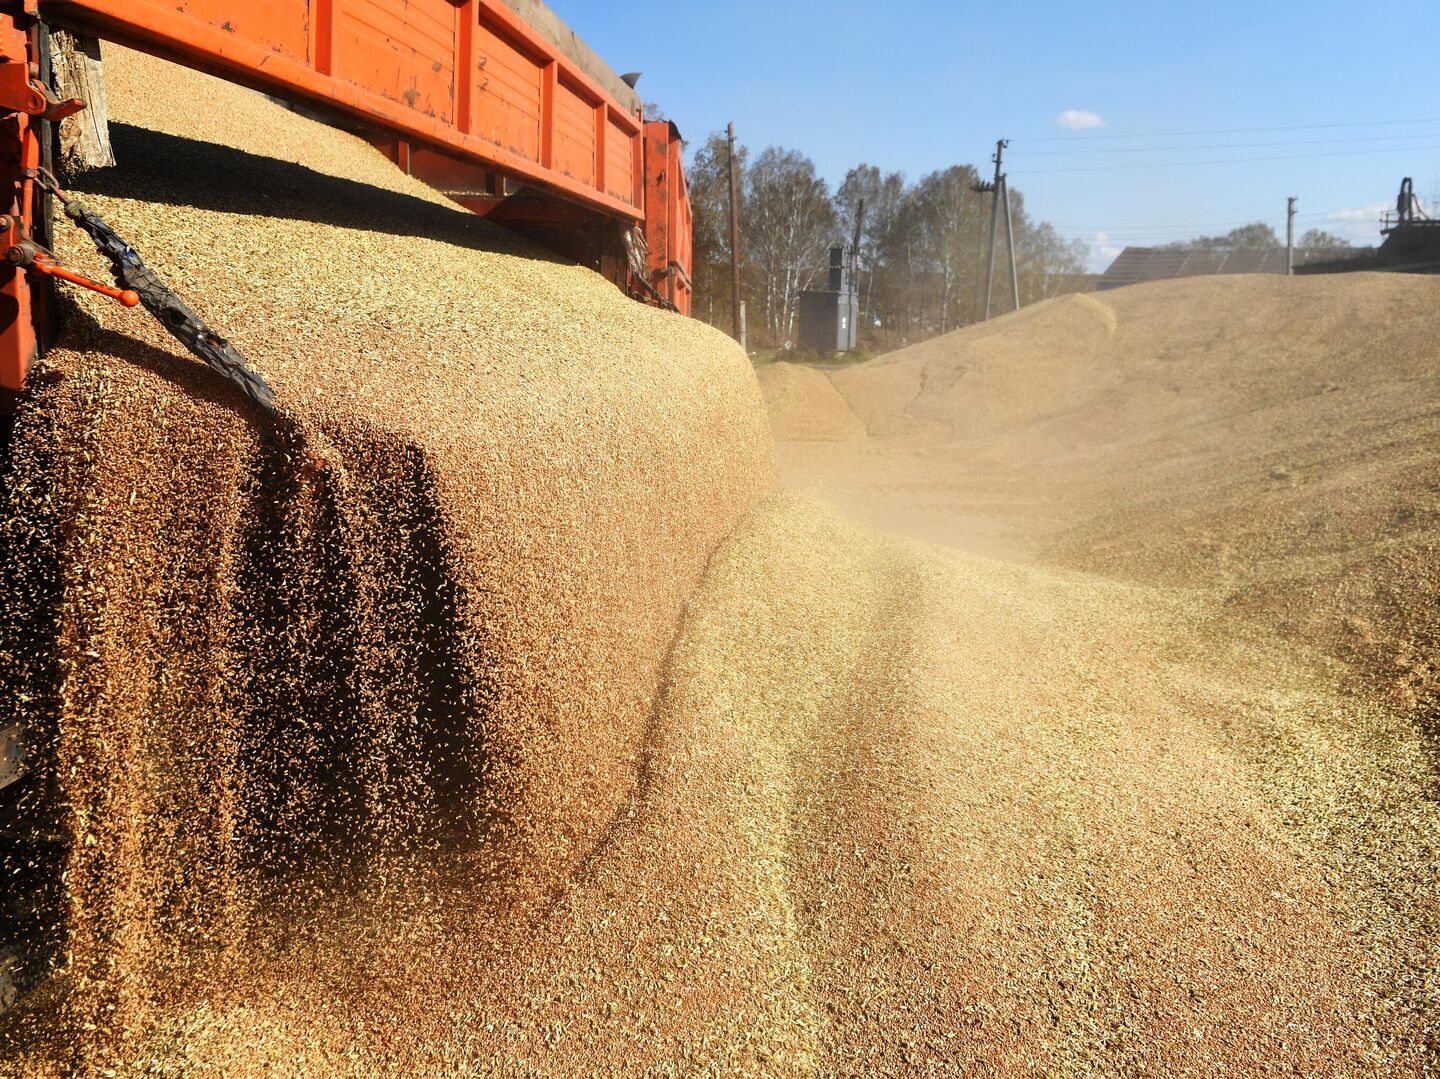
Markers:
20,91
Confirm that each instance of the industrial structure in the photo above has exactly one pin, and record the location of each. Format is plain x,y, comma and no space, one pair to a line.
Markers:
829,318
1412,235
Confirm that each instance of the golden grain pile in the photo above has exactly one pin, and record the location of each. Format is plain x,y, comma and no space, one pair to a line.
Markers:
542,735
458,629
1272,439
804,406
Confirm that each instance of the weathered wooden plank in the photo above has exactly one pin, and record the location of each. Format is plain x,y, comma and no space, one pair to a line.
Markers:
84,137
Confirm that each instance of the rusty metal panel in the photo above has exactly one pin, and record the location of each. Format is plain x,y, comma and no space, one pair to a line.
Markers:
405,52
682,231
667,214
536,15
392,64
508,85
620,160
575,130
490,102
19,150
277,25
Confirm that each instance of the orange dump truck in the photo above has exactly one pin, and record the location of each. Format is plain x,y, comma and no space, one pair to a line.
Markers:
494,102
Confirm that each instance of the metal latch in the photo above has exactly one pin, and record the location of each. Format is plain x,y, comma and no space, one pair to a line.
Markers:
20,91
19,250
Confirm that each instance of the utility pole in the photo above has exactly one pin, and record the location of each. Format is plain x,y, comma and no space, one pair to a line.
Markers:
1010,240
855,245
994,220
1290,236
854,289
738,317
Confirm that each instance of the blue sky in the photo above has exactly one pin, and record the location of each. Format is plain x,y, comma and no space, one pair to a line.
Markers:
915,85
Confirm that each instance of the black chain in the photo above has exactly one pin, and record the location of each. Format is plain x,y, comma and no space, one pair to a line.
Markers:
161,301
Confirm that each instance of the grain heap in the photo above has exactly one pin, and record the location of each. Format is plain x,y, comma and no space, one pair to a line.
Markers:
1271,438
1260,453
458,627
804,406
544,737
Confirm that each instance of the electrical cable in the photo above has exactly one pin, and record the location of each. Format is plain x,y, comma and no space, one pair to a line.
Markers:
1224,145
1226,131
1222,161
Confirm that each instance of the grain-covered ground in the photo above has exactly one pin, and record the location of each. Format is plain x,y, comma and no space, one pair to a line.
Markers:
543,734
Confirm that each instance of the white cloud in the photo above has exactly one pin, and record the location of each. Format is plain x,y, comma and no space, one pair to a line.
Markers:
1102,252
1368,214
1079,119
1358,224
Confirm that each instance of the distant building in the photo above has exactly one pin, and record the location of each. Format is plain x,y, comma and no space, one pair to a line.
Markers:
1137,264
1411,245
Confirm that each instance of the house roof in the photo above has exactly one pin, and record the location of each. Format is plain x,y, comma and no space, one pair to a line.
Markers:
1136,264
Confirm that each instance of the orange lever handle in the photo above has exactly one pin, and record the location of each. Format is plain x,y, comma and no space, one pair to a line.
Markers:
127,297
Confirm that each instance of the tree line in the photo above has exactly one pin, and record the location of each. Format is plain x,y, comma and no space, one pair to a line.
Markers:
1257,236
922,246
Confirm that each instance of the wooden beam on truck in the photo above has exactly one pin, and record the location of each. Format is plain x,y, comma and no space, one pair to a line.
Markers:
79,73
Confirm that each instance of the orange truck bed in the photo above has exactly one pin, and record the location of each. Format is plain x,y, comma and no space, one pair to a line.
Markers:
485,99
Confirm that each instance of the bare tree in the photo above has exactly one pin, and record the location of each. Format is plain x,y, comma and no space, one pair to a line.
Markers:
789,223
950,216
710,202
1048,265
922,248
1256,235
883,240
1321,238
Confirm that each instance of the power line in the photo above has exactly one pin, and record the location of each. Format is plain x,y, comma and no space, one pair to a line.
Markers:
1227,145
1228,131
1198,218
1211,220
1132,233
1225,224
1225,161
1207,223
1149,230
1212,224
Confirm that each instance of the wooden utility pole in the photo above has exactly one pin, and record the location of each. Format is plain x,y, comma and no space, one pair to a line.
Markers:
1290,236
738,317
1010,241
855,269
994,221
855,241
